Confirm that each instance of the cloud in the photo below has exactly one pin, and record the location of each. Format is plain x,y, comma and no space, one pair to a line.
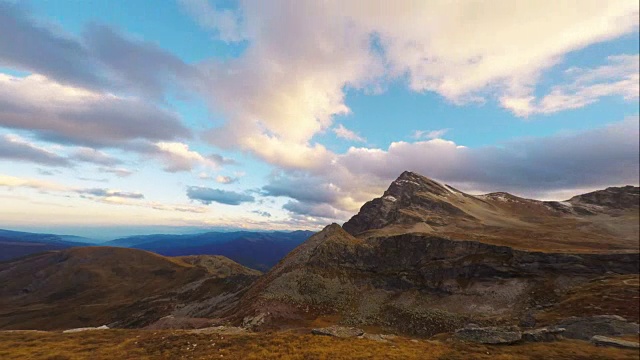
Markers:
17,182
178,157
301,56
67,114
344,133
225,23
14,148
207,196
110,193
226,179
95,156
100,59
429,134
120,172
620,77
262,213
537,167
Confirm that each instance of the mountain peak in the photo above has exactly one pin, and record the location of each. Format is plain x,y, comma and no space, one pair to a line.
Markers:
409,182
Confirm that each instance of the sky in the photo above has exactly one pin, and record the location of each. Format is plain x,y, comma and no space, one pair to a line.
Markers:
127,117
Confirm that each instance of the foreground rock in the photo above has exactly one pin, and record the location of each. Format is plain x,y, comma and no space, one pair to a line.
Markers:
489,335
103,327
600,340
545,334
584,328
338,331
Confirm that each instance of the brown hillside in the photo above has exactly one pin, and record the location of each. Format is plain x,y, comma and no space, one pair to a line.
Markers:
93,286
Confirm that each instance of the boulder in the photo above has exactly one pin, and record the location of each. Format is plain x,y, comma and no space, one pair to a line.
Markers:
489,335
103,327
584,328
338,331
600,340
545,334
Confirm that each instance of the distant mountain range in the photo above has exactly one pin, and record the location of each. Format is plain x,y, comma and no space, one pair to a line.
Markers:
14,244
257,250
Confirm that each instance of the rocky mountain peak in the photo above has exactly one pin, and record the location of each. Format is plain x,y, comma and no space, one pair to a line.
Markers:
408,183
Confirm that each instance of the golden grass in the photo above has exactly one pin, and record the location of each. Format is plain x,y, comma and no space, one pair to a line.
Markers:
612,295
148,344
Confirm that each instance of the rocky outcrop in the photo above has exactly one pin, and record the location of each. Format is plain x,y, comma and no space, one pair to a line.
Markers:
545,334
103,327
338,331
489,335
584,328
599,340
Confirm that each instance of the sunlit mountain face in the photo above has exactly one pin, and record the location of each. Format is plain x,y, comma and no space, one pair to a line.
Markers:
191,116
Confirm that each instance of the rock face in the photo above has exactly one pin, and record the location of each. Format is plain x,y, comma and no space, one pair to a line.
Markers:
599,340
546,334
338,331
584,328
489,335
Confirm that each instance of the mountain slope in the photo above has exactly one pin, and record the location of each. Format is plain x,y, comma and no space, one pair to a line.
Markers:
428,258
604,220
92,286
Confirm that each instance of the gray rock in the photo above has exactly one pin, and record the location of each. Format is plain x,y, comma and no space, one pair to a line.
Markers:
527,321
545,334
584,328
600,340
490,335
103,327
338,331
250,322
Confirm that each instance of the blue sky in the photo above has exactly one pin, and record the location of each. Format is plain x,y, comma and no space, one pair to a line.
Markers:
196,114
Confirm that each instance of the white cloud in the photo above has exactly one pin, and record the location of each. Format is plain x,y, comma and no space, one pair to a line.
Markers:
289,83
429,134
224,22
221,179
619,77
178,157
344,133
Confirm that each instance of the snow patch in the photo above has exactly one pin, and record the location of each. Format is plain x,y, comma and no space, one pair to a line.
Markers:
390,198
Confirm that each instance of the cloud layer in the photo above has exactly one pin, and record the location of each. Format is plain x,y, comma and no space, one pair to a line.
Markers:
207,196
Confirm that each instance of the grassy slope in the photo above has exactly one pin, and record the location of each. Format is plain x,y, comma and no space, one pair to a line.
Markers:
141,344
93,286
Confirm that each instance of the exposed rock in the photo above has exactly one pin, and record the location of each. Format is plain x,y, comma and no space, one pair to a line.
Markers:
527,321
584,328
599,340
338,331
227,330
180,322
545,334
489,335
250,322
103,327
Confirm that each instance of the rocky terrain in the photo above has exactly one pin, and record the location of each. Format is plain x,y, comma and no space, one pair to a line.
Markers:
93,286
426,258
